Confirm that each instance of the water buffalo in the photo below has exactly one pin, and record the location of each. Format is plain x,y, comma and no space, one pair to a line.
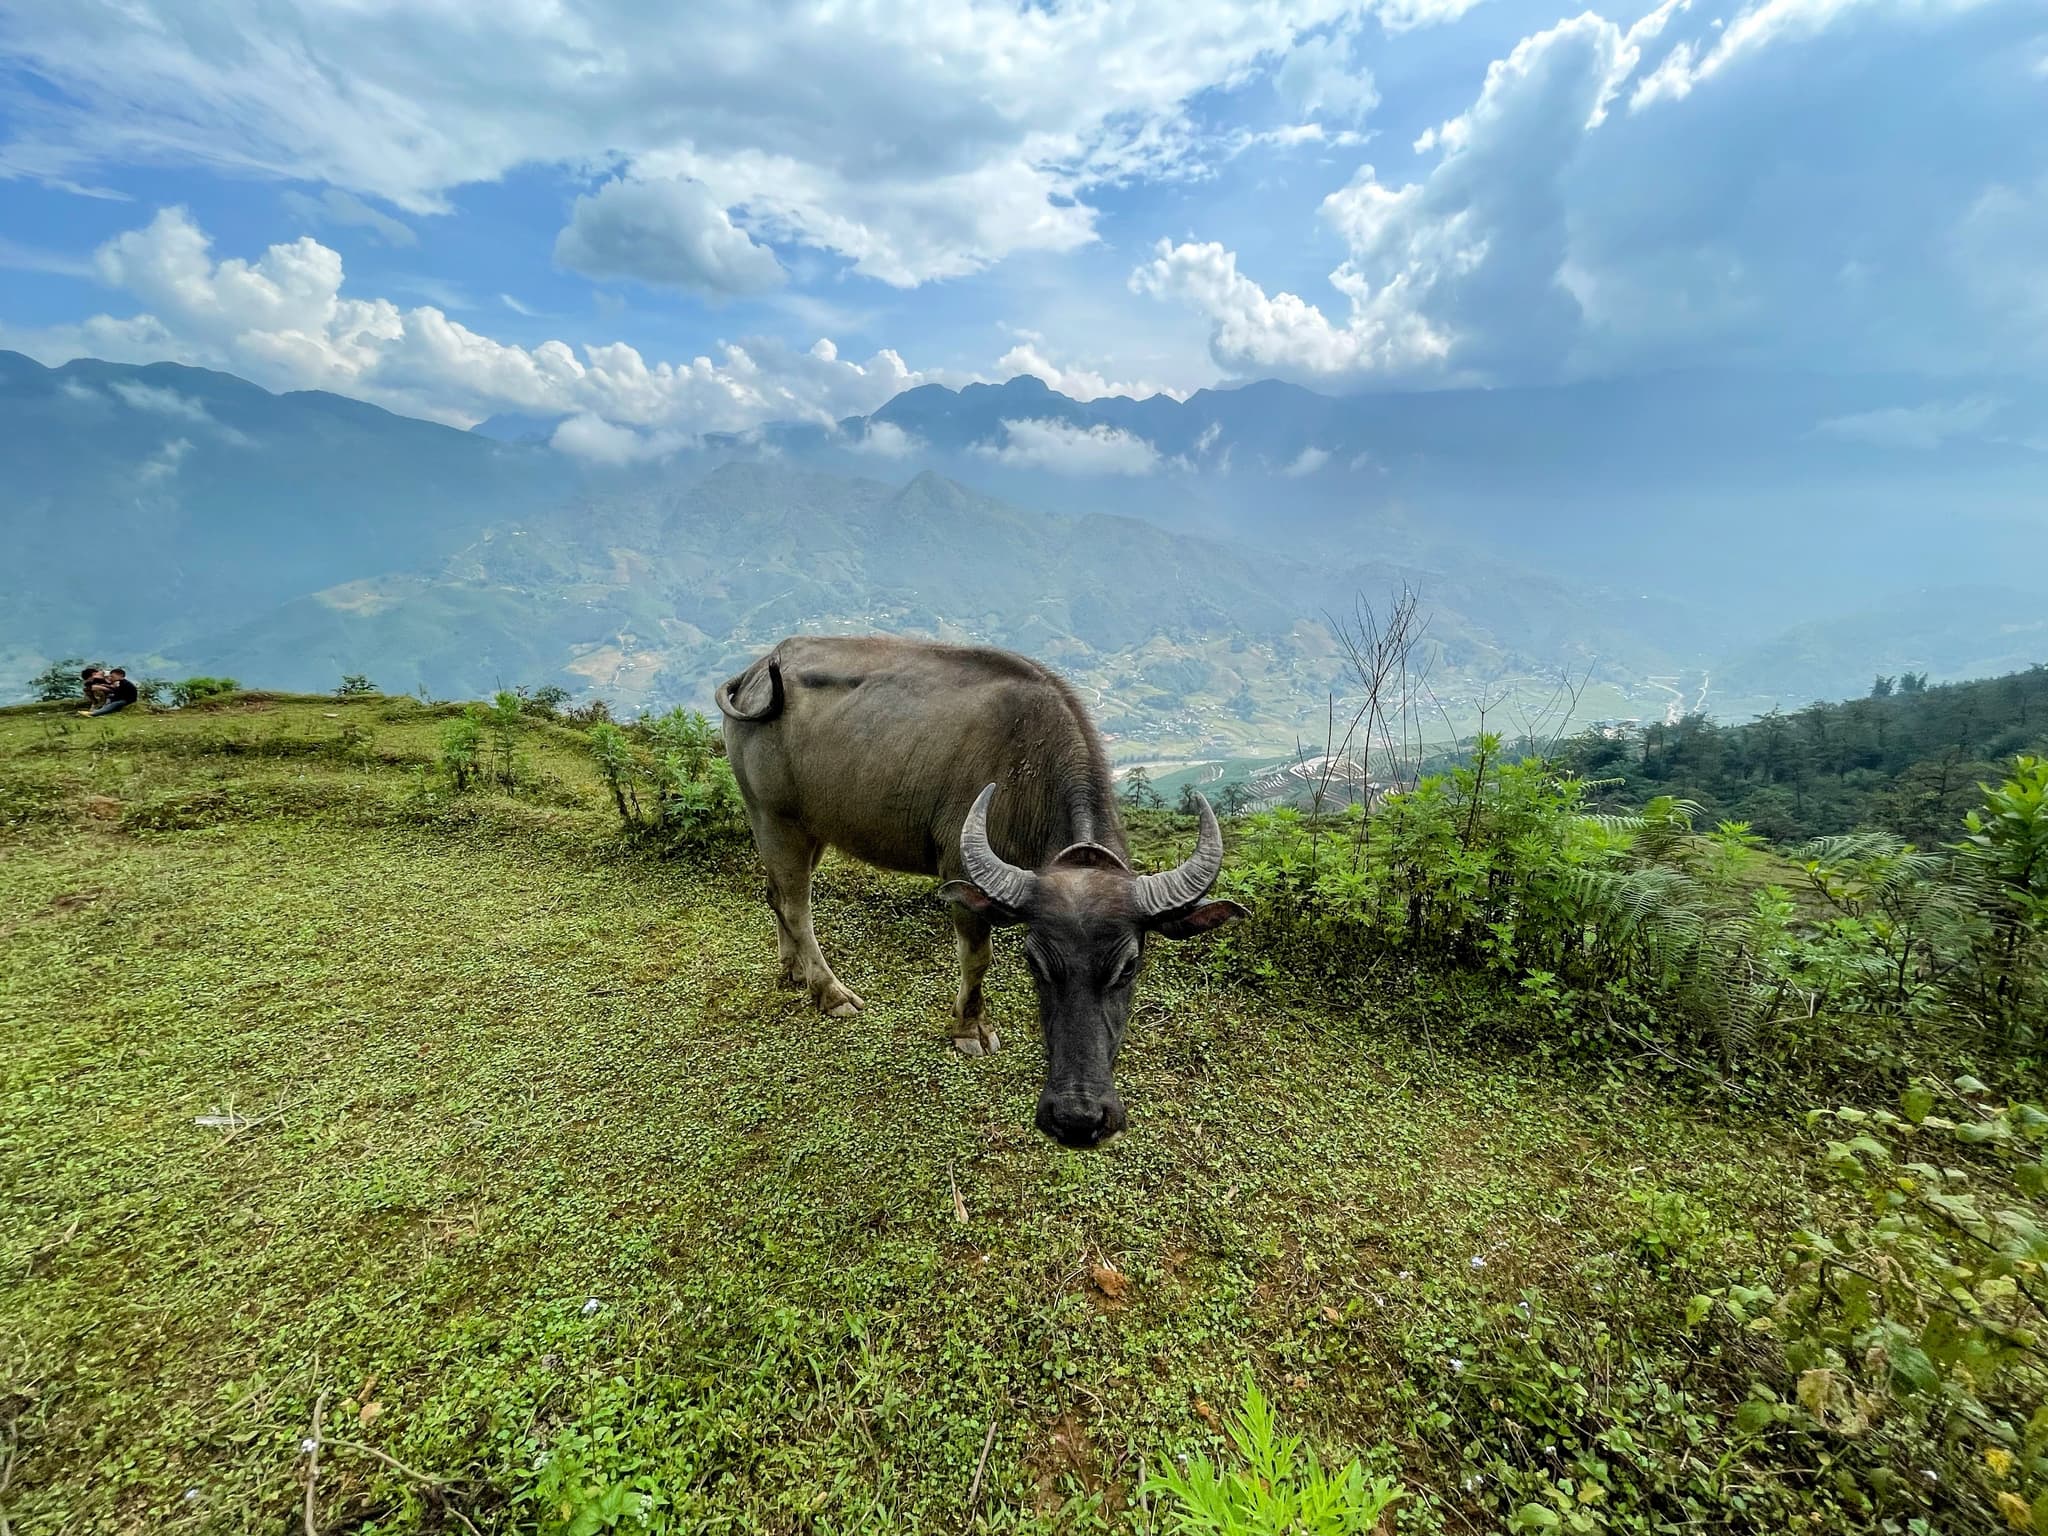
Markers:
980,767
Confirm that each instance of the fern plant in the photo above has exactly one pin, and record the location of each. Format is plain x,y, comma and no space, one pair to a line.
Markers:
1279,1487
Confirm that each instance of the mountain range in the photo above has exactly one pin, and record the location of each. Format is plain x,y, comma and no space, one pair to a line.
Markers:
1178,558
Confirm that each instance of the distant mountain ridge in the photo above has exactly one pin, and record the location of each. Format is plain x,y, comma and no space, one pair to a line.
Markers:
192,518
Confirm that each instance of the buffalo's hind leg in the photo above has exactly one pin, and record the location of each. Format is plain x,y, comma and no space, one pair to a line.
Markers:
973,1035
791,854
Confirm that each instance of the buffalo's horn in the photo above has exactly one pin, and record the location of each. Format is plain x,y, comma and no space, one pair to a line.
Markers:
1187,883
1002,882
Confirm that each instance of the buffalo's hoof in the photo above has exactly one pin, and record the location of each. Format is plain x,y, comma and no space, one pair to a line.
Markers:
838,1002
981,1040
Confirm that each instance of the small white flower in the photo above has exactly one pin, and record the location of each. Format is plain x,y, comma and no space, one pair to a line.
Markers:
1478,1262
1457,1367
591,1306
1472,1483
309,1445
1928,1473
1407,1274
191,1495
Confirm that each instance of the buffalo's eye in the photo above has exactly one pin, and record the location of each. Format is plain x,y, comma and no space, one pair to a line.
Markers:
1034,965
1126,973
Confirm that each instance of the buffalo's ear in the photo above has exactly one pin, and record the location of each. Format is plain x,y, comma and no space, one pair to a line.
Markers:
1210,914
984,906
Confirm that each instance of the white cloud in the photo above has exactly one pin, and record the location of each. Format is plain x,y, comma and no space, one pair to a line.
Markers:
164,463
283,321
916,141
585,436
668,232
1319,76
1253,332
32,258
1294,136
886,440
160,401
1307,462
163,402
1407,15
1549,237
1074,383
336,207
1072,450
518,308
1918,427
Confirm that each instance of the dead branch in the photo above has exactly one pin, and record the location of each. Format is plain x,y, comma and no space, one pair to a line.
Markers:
981,1466
313,1461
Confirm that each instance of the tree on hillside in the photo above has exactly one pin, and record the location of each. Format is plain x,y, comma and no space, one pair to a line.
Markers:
59,681
1882,688
1138,791
1907,761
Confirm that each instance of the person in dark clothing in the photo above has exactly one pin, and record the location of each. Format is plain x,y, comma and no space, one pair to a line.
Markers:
120,694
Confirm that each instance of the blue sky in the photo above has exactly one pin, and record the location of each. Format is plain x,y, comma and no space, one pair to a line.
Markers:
683,219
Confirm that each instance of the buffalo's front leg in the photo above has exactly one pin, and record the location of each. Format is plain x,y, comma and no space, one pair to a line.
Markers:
791,854
973,1035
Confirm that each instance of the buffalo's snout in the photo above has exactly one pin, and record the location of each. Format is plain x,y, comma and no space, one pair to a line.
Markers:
1079,1119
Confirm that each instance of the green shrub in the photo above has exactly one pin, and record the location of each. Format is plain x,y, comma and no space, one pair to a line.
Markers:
194,690
462,747
2002,864
1633,923
1279,1488
545,701
355,686
1915,1318
59,681
669,780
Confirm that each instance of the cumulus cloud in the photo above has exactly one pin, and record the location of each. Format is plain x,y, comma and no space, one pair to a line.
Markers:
1922,428
585,436
1307,462
916,141
669,232
1070,449
1282,333
1075,383
283,320
1550,238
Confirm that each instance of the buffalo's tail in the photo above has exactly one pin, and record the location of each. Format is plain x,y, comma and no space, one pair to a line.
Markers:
729,693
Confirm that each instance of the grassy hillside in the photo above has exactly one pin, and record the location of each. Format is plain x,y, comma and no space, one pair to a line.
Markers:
484,1143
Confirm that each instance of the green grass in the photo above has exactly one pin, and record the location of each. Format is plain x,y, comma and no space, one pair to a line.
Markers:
544,1168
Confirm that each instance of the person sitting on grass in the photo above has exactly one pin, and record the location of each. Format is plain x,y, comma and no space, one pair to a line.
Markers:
94,680
120,694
